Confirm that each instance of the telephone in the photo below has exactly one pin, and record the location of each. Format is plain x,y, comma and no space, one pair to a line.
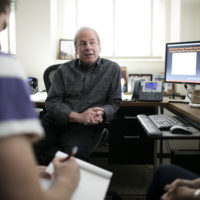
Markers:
147,91
33,83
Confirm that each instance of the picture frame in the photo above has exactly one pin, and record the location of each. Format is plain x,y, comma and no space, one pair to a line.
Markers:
123,79
168,87
159,77
133,77
66,49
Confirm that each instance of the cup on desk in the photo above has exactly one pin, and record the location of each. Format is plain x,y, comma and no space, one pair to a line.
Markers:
194,96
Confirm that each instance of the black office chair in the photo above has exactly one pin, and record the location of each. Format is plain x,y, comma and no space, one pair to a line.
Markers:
48,75
101,140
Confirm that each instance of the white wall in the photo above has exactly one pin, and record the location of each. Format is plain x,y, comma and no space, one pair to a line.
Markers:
33,36
37,35
175,19
190,17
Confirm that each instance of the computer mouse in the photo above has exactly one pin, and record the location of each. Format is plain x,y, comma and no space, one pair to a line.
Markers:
178,129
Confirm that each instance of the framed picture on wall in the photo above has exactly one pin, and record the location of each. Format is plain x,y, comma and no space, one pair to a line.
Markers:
158,77
168,87
123,79
66,49
133,77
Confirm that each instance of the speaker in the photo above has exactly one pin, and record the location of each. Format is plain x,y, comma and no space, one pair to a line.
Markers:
33,83
188,159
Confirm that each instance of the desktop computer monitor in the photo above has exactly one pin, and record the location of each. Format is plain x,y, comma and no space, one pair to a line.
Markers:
182,62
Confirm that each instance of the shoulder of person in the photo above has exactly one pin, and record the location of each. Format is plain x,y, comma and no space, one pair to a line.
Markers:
10,67
109,62
69,64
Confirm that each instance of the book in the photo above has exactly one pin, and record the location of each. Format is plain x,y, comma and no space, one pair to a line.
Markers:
94,181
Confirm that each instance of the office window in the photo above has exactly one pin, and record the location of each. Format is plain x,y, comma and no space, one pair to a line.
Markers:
7,37
127,28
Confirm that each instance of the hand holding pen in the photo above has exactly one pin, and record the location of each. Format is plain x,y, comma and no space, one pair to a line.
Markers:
59,161
68,171
72,153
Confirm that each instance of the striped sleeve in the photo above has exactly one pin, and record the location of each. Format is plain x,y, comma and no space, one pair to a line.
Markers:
17,115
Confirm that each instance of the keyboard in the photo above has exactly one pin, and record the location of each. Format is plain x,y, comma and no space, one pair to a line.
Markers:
165,122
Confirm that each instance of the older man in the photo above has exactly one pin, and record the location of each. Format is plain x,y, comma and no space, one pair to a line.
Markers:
84,93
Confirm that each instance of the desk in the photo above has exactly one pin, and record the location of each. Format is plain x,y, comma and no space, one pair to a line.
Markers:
180,109
184,110
39,99
131,107
177,108
191,115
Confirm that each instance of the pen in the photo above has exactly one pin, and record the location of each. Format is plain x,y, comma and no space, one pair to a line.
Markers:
72,153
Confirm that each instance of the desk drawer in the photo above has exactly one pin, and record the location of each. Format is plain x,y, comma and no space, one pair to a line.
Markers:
128,112
132,151
128,127
128,143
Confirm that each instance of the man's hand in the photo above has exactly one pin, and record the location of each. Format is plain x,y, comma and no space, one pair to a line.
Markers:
90,116
93,115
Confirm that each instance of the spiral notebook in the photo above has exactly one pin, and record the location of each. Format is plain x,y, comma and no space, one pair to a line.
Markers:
94,181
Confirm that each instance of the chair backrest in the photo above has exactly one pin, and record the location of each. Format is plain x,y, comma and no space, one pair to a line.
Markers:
48,75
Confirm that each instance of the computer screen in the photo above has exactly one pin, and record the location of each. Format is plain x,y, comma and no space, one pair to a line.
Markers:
150,86
182,62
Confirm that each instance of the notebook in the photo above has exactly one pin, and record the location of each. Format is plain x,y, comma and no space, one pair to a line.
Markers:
94,181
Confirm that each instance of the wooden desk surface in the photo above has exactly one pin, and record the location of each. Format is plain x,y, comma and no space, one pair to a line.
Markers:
143,103
184,109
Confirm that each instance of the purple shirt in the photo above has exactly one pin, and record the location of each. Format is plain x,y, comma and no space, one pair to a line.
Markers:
17,115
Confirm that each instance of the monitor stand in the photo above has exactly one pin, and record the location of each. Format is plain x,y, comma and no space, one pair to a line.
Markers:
179,101
194,105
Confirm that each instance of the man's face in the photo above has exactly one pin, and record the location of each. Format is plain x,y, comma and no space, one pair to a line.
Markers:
88,47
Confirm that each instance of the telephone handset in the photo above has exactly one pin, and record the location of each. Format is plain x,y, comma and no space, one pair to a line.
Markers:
147,91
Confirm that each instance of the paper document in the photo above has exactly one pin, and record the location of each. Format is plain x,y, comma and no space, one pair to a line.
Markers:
94,181
39,96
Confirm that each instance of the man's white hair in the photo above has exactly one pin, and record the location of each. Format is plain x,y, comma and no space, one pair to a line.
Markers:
85,28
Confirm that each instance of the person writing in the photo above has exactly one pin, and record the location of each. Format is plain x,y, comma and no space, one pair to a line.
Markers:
19,127
84,93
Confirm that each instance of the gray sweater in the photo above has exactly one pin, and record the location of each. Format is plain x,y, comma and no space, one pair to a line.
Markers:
77,88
